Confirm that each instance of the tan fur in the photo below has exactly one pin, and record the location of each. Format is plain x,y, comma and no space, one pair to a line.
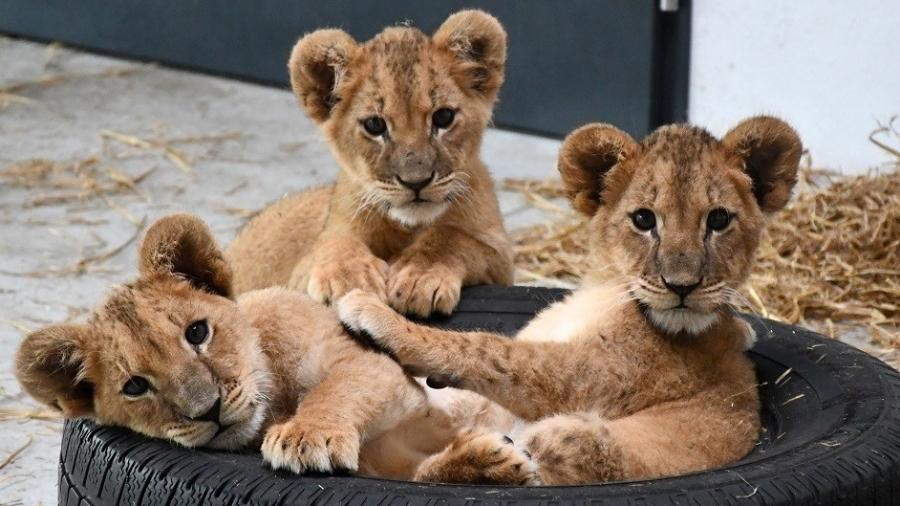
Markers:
279,363
369,231
479,456
618,382
287,377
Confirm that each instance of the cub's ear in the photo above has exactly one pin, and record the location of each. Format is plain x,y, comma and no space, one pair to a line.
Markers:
587,156
318,64
769,151
182,245
478,43
50,367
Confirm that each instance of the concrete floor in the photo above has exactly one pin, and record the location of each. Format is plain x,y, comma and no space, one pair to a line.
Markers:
246,146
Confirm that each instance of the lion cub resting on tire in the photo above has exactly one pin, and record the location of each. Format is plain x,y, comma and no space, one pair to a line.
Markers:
641,372
172,355
413,215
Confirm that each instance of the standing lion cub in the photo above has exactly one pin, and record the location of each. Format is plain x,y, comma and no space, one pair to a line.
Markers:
641,372
413,216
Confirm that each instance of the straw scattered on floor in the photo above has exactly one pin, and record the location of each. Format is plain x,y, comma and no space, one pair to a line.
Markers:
57,183
831,258
15,453
7,414
12,94
99,177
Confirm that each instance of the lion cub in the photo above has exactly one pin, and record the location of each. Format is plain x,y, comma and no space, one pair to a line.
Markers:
413,215
173,355
641,372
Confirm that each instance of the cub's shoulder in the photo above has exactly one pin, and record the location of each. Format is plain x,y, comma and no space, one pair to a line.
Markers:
282,310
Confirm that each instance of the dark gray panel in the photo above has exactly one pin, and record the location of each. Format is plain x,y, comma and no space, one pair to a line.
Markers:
570,62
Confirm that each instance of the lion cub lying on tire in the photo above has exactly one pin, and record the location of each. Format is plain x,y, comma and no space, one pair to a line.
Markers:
172,355
413,215
641,372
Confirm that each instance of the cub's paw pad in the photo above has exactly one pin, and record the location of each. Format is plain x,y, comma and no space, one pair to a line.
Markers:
487,458
362,311
300,448
330,281
422,290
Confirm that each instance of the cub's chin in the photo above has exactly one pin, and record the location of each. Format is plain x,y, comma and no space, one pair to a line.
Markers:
418,213
239,435
686,320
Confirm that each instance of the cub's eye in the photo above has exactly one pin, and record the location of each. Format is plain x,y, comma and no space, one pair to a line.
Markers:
375,125
718,219
644,219
197,332
443,117
135,386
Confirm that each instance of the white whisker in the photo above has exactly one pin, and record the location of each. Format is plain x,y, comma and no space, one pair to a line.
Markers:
738,302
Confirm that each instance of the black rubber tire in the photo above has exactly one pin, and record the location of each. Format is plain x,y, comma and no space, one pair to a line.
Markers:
832,437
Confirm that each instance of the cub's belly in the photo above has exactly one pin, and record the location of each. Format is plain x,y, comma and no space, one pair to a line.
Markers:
397,453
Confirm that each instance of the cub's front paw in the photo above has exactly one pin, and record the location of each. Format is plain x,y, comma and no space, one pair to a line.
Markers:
301,447
418,289
364,312
480,457
330,280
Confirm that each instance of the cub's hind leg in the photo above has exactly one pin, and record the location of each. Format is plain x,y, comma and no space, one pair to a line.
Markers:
576,449
560,450
480,456
668,439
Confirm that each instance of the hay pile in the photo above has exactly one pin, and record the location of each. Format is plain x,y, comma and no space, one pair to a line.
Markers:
831,257
834,255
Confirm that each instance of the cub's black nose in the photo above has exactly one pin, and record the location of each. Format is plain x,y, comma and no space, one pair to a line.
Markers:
416,184
212,415
681,290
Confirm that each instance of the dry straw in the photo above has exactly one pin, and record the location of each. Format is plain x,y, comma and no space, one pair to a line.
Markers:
832,257
97,178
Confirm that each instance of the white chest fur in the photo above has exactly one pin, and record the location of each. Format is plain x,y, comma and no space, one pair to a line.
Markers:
582,314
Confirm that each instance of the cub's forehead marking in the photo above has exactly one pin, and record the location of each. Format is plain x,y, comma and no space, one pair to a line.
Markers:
171,317
685,147
400,51
432,84
713,192
684,159
404,67
122,307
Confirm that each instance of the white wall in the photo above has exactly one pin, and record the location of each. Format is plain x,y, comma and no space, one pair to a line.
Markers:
829,67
